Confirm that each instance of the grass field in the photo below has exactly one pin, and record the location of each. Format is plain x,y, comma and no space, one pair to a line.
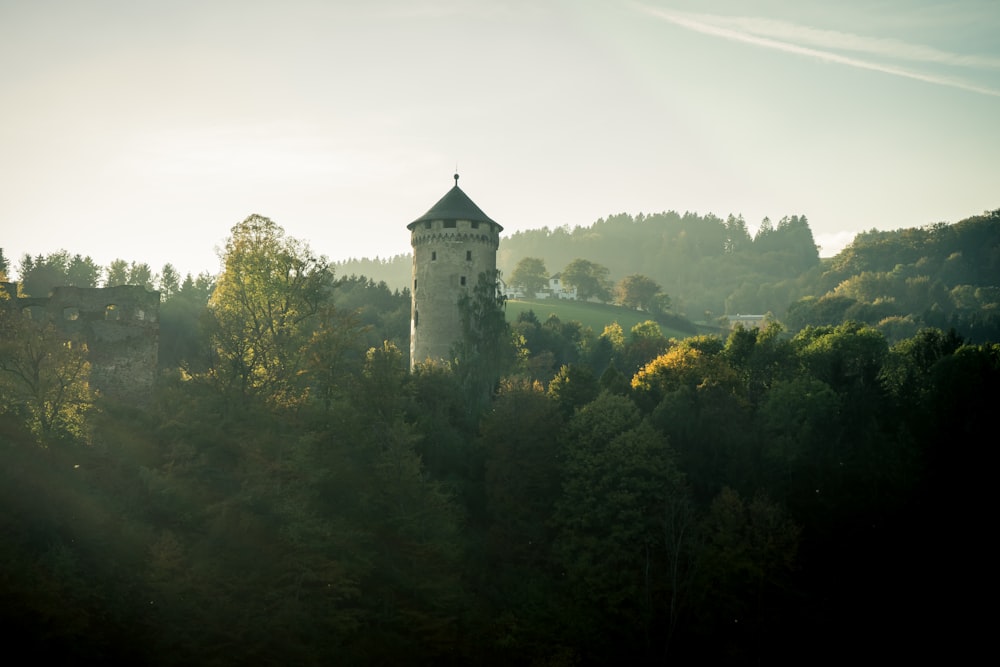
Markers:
593,315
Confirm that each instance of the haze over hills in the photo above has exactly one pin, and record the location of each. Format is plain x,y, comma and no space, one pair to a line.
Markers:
147,132
712,267
551,490
292,491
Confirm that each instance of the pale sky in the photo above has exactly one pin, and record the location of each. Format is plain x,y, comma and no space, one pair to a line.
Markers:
146,130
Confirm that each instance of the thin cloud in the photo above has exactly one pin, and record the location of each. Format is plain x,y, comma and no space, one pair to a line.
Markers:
825,44
841,41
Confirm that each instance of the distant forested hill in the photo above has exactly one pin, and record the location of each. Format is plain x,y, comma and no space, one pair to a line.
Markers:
708,266
394,271
942,275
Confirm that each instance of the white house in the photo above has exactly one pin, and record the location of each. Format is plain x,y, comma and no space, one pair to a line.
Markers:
748,321
556,289
511,292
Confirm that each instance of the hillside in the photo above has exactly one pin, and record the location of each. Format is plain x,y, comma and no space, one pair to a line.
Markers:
942,275
596,316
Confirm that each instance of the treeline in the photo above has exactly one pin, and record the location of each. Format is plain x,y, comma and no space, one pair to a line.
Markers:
944,276
700,261
39,274
396,271
297,497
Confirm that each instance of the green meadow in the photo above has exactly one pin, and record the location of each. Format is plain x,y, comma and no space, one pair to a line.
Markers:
593,315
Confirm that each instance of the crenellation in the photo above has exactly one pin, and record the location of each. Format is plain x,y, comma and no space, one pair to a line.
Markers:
453,243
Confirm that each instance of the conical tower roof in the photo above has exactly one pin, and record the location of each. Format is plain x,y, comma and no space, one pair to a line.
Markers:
455,205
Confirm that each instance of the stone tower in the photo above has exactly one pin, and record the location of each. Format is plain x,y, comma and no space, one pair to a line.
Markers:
452,243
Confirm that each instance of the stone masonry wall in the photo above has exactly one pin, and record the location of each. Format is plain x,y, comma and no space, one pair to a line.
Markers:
120,326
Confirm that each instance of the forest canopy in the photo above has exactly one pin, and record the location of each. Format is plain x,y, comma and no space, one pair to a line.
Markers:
292,493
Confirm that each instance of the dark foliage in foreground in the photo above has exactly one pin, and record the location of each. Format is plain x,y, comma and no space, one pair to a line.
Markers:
293,495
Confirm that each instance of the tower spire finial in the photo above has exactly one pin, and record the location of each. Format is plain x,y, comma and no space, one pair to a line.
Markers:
456,174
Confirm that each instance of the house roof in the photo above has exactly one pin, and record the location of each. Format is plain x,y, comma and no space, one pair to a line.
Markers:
455,205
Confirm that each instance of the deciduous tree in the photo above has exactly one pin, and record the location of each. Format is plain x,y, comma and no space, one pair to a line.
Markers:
530,274
486,350
639,291
589,278
265,307
44,375
617,536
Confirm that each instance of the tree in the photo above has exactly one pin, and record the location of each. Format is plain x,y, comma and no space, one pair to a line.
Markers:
640,292
800,250
519,437
83,272
617,537
797,420
848,357
907,370
411,522
646,342
140,274
117,273
531,275
265,307
589,278
198,289
763,232
169,283
44,375
737,235
573,387
760,357
747,553
41,274
687,364
486,350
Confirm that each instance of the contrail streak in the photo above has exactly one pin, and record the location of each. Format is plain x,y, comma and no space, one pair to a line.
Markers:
852,42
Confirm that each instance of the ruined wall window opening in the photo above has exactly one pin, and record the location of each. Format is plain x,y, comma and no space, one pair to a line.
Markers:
463,281
71,313
434,255
414,284
427,225
475,225
468,255
112,312
450,224
416,318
